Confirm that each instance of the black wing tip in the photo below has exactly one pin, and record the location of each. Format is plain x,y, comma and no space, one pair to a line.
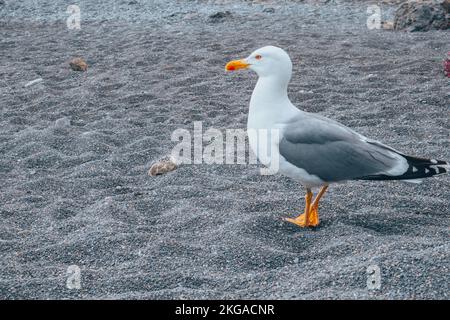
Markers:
418,168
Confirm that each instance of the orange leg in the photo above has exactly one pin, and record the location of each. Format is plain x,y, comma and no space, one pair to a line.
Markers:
314,211
310,217
303,219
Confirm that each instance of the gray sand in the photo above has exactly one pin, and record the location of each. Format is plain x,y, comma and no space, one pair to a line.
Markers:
76,148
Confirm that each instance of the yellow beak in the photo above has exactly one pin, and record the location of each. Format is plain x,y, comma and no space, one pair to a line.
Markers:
236,64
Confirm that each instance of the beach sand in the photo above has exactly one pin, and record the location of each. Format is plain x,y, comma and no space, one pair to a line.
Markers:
76,148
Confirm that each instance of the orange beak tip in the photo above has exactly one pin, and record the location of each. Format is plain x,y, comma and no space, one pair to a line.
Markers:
236,64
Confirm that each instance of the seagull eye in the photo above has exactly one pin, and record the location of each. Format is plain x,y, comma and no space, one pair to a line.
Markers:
258,57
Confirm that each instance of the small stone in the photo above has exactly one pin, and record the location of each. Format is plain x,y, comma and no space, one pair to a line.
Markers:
269,10
62,122
387,25
220,16
78,64
30,83
162,167
346,44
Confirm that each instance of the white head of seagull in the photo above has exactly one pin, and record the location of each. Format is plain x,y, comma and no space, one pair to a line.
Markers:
268,62
269,103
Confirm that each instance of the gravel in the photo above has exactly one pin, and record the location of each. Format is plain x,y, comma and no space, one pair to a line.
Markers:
76,148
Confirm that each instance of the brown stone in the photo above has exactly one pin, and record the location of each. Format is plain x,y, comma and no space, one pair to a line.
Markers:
387,25
162,167
78,64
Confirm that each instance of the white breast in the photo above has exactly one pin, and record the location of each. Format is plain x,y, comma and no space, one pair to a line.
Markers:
265,134
270,110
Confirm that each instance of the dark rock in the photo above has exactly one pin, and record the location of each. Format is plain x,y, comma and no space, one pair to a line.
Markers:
220,16
269,10
446,5
423,16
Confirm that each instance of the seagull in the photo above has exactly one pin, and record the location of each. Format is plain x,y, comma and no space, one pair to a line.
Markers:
314,150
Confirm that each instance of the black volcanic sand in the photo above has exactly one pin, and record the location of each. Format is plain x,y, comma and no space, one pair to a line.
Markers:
76,148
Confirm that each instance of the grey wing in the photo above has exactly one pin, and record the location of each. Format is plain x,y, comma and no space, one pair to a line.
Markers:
334,152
